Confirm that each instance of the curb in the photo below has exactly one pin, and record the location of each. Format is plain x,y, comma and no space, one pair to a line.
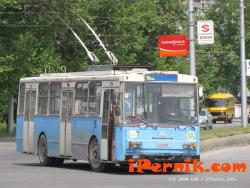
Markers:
218,143
7,139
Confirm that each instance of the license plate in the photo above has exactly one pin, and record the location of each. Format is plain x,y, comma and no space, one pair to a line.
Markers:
162,145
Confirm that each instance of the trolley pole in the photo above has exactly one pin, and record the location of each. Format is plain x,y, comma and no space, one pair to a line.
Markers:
243,67
192,68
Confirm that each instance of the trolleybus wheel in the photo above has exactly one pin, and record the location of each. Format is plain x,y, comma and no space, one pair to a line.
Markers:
58,162
94,156
43,151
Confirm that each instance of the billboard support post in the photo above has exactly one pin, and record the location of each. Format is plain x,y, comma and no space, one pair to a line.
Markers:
192,68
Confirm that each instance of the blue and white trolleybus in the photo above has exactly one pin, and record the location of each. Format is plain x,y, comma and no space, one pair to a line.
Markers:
109,115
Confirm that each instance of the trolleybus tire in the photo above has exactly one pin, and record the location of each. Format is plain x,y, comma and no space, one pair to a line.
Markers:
124,166
95,157
58,162
43,152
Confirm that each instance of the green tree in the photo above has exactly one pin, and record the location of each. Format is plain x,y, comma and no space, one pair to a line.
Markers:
218,65
33,37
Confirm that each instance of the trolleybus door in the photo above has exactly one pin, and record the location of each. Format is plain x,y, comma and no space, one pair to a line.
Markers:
65,127
108,123
28,129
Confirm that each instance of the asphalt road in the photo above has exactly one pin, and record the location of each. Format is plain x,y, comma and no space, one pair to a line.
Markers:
235,123
17,170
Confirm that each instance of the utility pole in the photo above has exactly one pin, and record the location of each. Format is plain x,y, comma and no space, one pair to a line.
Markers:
243,67
192,68
10,114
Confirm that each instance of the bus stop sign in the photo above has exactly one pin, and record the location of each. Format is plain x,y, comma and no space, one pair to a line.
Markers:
248,67
205,32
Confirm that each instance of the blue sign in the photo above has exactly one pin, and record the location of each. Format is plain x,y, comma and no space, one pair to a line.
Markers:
161,77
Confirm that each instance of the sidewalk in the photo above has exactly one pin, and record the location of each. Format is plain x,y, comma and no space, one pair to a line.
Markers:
7,139
230,141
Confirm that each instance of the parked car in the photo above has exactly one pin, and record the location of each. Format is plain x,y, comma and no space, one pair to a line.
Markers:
205,119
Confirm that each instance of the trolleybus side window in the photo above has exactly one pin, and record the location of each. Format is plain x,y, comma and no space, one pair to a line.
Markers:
55,98
129,103
43,98
81,99
95,90
21,98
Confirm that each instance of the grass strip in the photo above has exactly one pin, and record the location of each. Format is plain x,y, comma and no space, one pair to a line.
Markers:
223,132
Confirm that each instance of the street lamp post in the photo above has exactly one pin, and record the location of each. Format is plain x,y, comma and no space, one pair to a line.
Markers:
192,68
243,66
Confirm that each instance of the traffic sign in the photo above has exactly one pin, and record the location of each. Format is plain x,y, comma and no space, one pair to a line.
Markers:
248,67
205,32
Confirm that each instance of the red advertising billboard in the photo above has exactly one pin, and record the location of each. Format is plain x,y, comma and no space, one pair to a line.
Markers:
173,45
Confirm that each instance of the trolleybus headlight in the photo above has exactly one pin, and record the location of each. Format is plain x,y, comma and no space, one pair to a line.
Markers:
133,134
190,135
134,145
189,145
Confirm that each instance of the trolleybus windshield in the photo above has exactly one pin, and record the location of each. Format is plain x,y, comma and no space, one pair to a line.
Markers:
160,103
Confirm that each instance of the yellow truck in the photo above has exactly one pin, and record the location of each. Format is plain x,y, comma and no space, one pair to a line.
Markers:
221,106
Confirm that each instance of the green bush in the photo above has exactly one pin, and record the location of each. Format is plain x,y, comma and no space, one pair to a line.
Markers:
4,130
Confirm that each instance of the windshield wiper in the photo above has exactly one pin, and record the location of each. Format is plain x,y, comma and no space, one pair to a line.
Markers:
139,118
187,123
145,122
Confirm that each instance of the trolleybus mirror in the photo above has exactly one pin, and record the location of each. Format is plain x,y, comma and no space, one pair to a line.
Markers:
117,110
201,93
